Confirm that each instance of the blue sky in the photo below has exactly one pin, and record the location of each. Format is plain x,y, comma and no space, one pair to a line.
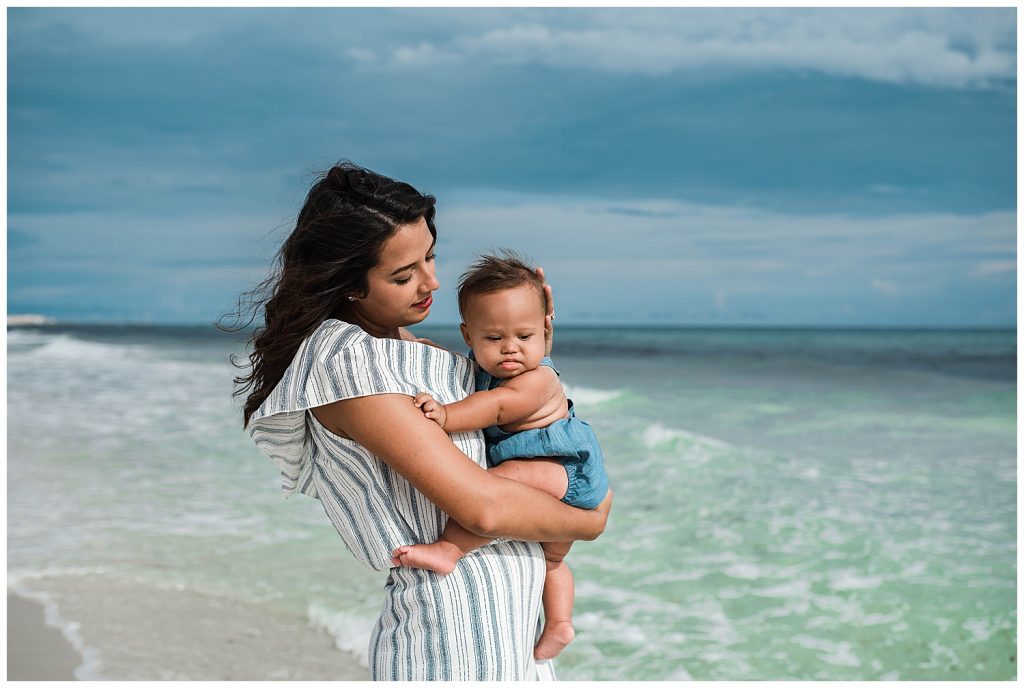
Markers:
666,166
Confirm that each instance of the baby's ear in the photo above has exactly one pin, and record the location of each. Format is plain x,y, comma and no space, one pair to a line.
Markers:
465,334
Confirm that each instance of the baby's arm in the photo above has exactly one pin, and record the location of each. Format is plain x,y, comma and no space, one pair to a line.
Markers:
516,400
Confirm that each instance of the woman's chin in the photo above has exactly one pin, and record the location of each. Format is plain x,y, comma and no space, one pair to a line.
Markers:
418,315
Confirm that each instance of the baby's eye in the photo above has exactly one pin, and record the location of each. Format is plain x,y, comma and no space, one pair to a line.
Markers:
493,338
525,337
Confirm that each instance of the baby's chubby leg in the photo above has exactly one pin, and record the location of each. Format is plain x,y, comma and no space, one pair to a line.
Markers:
456,542
559,592
547,475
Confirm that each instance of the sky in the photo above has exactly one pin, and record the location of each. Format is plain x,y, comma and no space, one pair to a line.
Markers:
669,166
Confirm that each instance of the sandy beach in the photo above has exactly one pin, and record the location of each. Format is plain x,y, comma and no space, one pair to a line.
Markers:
132,631
36,651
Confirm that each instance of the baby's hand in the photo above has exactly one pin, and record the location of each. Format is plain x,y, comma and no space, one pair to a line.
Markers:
431,408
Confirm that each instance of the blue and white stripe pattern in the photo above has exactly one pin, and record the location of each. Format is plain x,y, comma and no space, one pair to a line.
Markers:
477,623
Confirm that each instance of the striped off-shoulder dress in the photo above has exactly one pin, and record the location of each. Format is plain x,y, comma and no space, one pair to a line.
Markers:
477,623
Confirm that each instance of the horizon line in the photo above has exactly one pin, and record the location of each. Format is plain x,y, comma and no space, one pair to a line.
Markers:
53,323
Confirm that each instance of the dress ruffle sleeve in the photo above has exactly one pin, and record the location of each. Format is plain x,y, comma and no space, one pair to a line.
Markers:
338,361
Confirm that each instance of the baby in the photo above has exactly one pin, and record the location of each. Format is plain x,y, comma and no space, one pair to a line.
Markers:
532,433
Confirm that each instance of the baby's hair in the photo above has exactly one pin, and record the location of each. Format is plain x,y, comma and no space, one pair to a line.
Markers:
491,273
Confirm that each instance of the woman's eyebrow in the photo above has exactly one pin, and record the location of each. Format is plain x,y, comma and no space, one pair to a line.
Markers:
410,266
413,264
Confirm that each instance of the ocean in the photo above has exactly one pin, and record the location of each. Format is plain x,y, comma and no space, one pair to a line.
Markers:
789,504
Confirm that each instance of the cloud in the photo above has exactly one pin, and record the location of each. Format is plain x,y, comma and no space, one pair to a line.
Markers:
941,48
659,261
17,239
994,267
234,111
695,260
154,146
885,287
61,29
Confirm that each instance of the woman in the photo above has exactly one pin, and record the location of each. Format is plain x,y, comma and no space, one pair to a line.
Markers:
330,399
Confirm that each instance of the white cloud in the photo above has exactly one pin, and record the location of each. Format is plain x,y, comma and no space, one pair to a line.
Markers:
945,48
885,287
153,27
649,261
994,267
694,258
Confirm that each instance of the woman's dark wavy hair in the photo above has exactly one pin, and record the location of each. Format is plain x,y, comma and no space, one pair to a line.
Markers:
340,232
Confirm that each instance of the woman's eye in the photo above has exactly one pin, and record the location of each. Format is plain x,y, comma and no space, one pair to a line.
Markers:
432,256
404,281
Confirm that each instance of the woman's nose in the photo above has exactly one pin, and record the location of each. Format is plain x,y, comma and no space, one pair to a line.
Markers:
431,283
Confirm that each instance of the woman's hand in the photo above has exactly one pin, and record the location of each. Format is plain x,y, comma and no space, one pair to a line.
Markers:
603,509
408,336
549,318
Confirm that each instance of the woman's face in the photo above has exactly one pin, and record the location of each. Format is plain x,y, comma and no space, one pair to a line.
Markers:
400,285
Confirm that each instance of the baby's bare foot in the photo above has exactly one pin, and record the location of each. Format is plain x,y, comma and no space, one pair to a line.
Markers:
439,557
553,639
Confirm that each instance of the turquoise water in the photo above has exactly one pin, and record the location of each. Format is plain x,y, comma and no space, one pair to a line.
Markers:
789,504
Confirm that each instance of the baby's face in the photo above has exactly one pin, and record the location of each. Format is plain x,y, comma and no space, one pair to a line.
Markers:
505,329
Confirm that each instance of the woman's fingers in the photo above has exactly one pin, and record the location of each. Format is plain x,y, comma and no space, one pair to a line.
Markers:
424,340
548,324
548,296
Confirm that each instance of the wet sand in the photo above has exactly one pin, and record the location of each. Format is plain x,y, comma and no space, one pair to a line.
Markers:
134,631
35,650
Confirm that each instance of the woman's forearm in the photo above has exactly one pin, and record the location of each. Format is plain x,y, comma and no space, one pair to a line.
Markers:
522,512
483,503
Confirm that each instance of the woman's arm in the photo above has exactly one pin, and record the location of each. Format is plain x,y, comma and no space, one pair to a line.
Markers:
415,446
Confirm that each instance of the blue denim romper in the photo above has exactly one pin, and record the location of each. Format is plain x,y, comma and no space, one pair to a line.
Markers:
570,440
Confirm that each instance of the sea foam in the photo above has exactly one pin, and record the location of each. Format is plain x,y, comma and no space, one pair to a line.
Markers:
66,347
88,670
657,435
587,396
351,633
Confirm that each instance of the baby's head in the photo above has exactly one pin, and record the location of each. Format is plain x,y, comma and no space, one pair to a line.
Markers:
502,303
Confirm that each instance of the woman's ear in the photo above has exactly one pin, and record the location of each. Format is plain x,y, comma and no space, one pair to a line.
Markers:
465,334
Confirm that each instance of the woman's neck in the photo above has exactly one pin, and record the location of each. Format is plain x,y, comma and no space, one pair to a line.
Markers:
371,328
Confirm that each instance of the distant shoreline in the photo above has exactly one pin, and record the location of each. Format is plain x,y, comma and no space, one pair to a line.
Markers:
28,319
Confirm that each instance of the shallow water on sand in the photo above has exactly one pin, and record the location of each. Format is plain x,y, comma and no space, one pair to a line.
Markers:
789,504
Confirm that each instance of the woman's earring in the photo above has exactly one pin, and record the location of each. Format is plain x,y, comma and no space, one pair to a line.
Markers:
352,298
